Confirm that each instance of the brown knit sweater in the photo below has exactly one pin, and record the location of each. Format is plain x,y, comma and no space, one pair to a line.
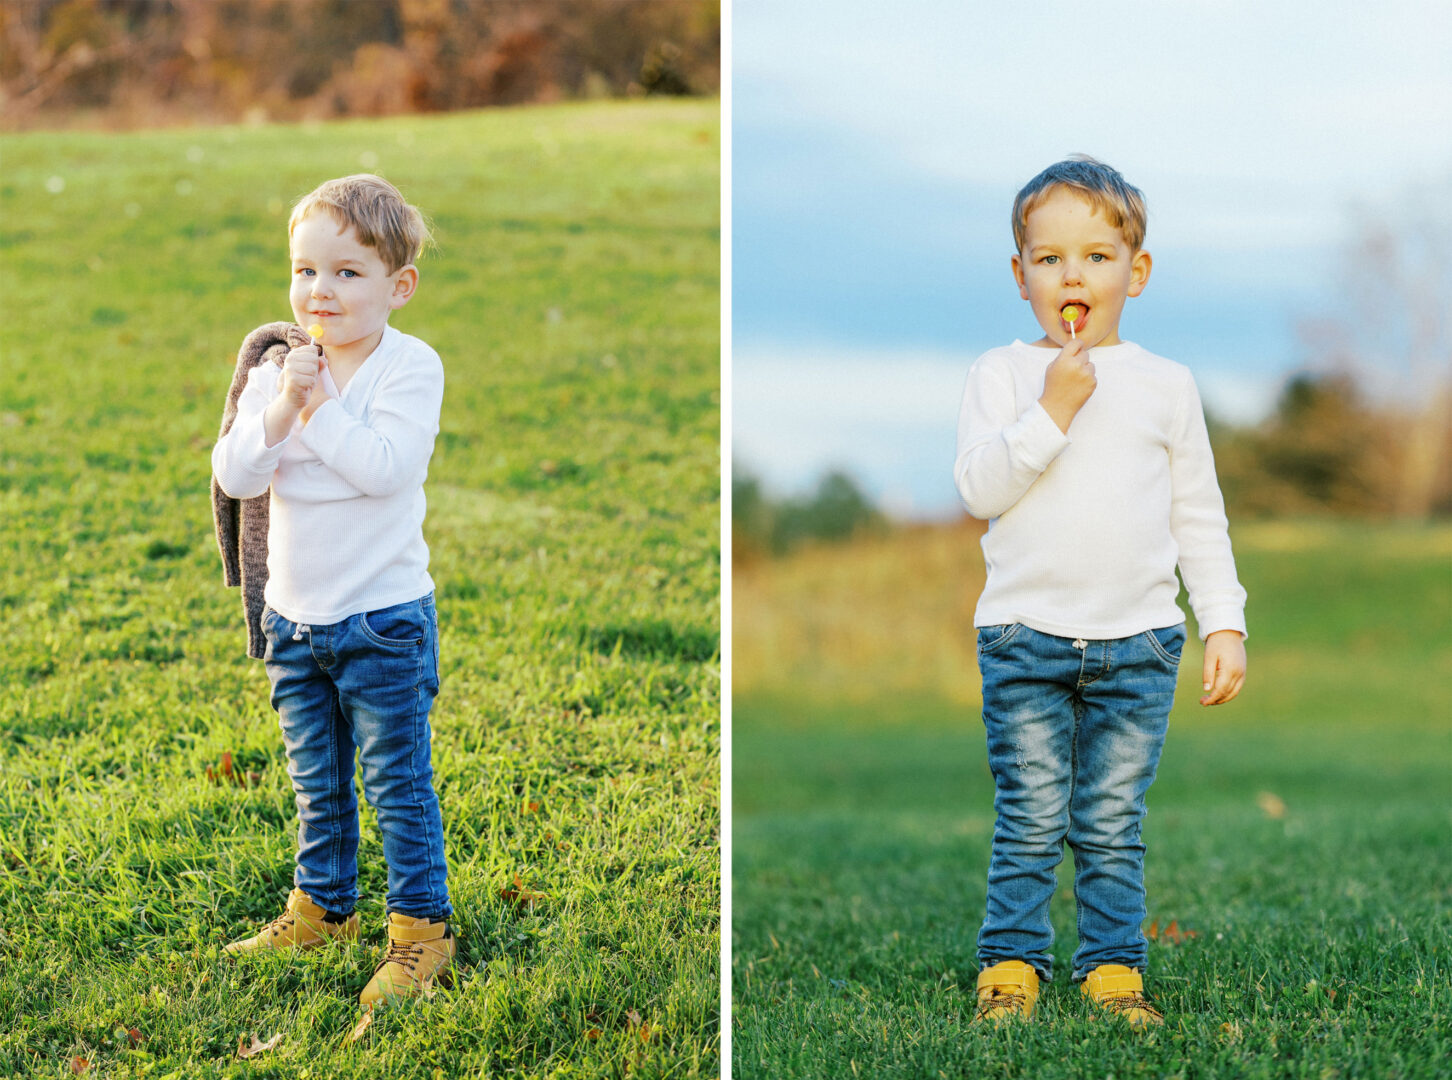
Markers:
242,523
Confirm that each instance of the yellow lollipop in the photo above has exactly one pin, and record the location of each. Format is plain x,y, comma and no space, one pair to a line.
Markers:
315,331
1070,314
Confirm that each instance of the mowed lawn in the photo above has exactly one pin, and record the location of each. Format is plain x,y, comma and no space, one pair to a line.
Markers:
573,521
1300,839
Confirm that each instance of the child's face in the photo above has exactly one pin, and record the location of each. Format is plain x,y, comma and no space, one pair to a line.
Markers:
1071,255
345,286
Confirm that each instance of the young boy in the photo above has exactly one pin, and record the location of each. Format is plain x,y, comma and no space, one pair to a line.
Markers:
342,432
1090,459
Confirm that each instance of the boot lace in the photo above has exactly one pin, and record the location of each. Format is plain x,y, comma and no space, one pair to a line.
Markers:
1000,999
405,954
1128,1003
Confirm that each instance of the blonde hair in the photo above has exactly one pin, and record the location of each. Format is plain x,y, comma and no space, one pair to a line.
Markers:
376,210
1120,203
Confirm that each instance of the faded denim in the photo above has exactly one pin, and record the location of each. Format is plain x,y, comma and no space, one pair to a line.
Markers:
364,685
1075,730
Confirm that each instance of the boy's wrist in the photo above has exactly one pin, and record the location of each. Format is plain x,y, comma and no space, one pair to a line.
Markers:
1062,413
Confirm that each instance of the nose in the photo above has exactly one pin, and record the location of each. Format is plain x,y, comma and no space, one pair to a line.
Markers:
321,287
1073,272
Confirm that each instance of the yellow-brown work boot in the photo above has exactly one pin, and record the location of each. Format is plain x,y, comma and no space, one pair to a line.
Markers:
1006,991
301,926
419,955
1120,991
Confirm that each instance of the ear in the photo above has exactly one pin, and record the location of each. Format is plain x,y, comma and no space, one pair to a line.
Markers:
403,287
1017,262
1139,272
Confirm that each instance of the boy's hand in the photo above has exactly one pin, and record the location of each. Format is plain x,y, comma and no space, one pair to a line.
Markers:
1224,666
301,372
1068,383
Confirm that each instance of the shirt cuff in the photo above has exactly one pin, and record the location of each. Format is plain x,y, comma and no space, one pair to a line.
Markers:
1222,619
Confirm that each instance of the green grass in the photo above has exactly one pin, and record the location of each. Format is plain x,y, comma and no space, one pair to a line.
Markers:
573,522
861,837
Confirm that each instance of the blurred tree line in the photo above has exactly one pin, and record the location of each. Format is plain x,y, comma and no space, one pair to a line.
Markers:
144,62
1366,429
837,510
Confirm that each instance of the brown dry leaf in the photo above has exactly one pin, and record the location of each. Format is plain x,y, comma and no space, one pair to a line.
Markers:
1174,934
1171,934
632,1018
226,772
1271,805
593,1033
362,1026
246,1050
518,894
531,807
80,1064
135,1036
645,1033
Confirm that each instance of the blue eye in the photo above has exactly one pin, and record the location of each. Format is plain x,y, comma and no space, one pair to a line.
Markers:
1049,259
306,270
349,273
1098,257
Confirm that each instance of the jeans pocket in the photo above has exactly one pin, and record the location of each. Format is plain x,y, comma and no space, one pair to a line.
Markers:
1168,643
402,626
994,637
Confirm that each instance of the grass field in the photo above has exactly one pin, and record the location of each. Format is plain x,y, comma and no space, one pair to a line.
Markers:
1298,838
573,522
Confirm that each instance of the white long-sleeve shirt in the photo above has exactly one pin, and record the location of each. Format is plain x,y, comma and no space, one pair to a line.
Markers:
345,531
1085,529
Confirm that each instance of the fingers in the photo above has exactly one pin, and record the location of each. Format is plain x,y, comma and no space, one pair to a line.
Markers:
300,373
1223,680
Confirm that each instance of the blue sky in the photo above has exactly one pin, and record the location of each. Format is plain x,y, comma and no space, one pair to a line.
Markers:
876,150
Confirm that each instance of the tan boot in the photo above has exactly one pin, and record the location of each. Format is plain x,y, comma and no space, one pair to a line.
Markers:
1120,991
1006,991
301,926
420,953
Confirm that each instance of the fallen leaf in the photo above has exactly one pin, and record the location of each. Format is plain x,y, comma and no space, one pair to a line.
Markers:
645,1033
246,1050
518,894
632,1018
531,807
1171,934
593,1033
1175,934
360,1028
80,1064
1271,805
135,1036
226,772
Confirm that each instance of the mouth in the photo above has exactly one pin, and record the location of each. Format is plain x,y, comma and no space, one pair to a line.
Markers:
1074,313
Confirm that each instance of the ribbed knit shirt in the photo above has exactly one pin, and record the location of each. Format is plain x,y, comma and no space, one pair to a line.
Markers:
345,530
1086,529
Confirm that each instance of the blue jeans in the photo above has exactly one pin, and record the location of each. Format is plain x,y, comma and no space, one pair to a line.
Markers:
1075,730
362,685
